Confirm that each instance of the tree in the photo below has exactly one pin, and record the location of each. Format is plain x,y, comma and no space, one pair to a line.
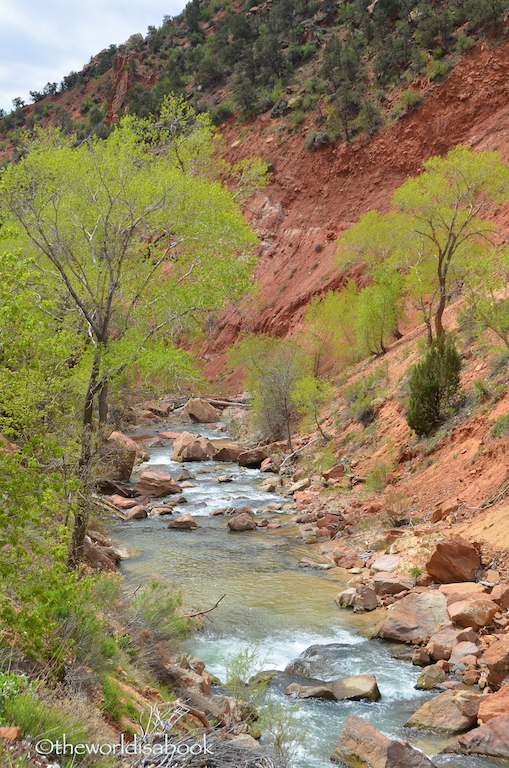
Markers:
274,367
377,311
330,328
130,236
438,229
433,383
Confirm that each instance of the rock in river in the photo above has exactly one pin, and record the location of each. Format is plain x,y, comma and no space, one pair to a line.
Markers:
184,523
154,483
490,739
243,522
414,618
451,711
362,746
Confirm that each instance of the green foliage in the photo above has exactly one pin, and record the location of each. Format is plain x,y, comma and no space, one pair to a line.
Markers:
433,384
310,395
274,368
438,236
244,678
379,476
283,730
501,426
378,310
157,607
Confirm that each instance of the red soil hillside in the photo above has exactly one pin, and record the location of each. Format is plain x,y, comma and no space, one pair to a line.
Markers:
314,195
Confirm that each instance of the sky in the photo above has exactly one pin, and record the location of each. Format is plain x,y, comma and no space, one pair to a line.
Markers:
40,42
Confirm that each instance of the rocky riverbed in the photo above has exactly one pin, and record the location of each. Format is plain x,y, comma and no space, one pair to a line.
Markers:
284,580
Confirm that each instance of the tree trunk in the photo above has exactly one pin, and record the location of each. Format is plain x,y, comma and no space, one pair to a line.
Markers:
103,403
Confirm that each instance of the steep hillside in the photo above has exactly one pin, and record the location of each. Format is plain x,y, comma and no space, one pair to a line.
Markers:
315,195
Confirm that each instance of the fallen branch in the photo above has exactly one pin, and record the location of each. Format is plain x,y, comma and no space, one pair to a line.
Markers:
207,610
298,451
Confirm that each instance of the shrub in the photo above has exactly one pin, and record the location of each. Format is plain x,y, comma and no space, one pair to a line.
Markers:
410,99
501,426
297,117
156,607
317,139
433,384
221,113
379,476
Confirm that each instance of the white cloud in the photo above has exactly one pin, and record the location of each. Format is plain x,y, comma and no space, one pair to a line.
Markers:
41,43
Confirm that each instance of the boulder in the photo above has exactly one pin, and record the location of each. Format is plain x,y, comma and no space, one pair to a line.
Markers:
494,706
228,453
445,508
440,644
242,522
414,618
475,613
500,595
451,711
386,563
222,511
158,407
299,485
136,513
454,560
461,650
334,472
310,691
200,449
387,584
97,557
155,483
252,459
491,739
122,502
199,410
361,745
320,662
496,659
118,454
184,523
429,677
10,732
355,688
344,557
360,598
463,590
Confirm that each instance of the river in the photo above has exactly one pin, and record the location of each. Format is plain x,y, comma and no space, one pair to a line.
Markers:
273,605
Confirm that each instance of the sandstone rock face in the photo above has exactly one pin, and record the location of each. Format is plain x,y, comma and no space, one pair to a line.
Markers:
154,483
494,706
355,688
451,711
388,584
344,557
360,744
414,618
496,659
454,560
491,738
184,523
310,691
243,522
199,410
252,459
473,613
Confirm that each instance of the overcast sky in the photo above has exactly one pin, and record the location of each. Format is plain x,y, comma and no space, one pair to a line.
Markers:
40,42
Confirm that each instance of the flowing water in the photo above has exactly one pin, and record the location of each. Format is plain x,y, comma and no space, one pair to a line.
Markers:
272,603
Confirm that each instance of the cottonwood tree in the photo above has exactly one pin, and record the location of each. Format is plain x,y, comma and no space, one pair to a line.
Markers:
134,239
438,230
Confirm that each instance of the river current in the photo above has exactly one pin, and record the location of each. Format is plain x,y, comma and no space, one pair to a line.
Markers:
272,605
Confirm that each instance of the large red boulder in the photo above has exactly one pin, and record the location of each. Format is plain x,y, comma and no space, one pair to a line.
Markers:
495,705
496,658
475,613
154,483
252,459
188,447
491,739
199,410
242,522
454,560
184,523
344,557
414,618
360,744
451,711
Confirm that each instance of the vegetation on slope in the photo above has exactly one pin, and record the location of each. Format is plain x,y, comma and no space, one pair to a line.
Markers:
334,60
